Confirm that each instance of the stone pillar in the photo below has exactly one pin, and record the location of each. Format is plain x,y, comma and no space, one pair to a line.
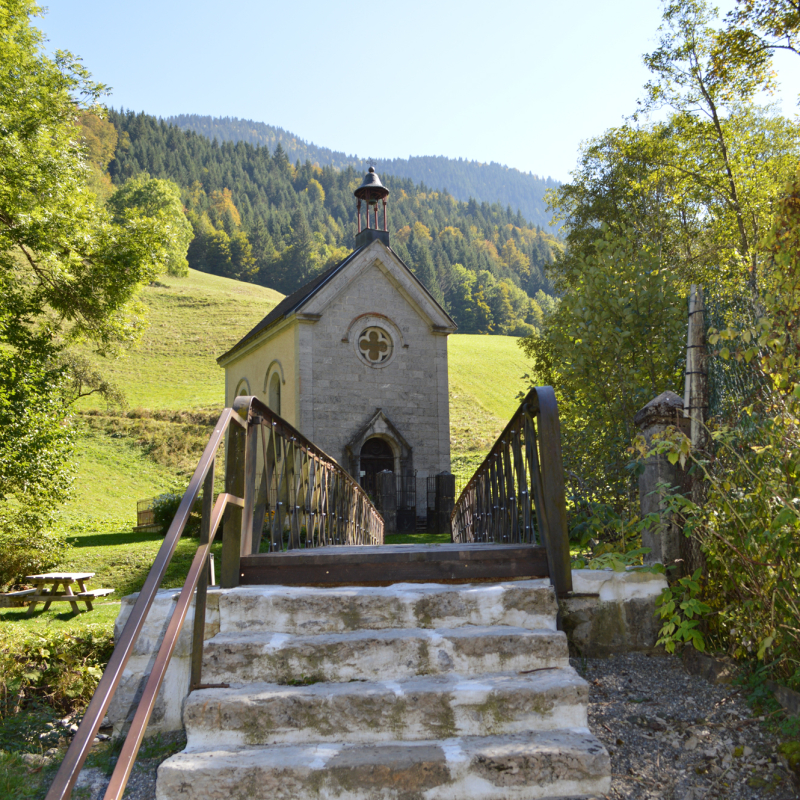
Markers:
387,500
664,540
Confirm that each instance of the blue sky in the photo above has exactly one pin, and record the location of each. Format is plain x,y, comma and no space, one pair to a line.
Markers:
521,83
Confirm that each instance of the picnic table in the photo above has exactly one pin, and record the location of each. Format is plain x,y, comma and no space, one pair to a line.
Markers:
46,590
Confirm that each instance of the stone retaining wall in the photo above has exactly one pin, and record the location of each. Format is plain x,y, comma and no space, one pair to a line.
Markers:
167,714
611,612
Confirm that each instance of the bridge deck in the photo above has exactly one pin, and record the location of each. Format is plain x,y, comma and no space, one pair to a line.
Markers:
396,563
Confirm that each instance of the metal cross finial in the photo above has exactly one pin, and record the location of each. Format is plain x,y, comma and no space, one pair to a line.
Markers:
371,162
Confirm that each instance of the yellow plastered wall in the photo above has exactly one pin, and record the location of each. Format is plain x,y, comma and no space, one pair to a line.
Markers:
249,373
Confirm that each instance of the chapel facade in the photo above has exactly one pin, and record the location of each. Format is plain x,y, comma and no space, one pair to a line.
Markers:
356,360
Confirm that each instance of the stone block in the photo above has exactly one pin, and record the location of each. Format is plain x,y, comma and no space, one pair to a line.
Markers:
410,710
528,766
611,612
169,703
371,655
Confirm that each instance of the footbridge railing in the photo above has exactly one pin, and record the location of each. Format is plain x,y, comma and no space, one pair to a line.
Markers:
517,493
275,480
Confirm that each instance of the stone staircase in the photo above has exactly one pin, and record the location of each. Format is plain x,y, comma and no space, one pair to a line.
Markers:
404,692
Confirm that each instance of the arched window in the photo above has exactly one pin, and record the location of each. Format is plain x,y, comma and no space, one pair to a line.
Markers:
274,396
243,389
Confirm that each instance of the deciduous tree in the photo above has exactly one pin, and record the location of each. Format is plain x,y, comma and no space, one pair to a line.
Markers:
68,270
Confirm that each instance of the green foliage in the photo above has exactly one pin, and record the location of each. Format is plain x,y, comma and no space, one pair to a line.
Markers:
35,446
258,218
60,251
157,200
83,379
27,544
681,610
69,270
612,344
749,526
165,506
688,199
607,539
756,29
56,668
733,155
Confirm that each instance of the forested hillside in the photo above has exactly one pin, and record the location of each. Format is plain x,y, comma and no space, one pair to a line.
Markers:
491,182
256,217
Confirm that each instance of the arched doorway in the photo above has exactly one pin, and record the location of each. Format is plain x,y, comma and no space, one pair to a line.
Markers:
376,456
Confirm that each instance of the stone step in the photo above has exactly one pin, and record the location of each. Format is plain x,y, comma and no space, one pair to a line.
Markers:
306,610
412,709
380,655
562,763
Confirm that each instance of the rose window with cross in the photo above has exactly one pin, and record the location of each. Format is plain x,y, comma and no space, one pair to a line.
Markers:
375,346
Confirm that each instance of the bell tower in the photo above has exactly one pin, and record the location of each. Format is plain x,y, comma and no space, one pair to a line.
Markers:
373,193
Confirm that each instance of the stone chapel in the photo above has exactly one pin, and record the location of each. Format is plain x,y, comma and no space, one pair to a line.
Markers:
356,359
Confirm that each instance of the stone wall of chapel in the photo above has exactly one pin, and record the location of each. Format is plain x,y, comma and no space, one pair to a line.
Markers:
412,390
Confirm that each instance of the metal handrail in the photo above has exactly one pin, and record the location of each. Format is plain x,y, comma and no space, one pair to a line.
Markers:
67,775
133,740
250,416
521,480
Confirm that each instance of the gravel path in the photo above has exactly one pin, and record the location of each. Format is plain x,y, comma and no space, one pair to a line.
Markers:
674,736
671,736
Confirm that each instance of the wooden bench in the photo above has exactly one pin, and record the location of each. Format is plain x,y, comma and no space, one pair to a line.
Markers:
47,590
16,599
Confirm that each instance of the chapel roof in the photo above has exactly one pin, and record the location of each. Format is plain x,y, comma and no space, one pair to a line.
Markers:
294,301
291,303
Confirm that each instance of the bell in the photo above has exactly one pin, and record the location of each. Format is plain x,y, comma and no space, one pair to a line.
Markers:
371,188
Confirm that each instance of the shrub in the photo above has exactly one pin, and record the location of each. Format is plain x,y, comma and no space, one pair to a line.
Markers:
749,529
25,547
165,507
53,667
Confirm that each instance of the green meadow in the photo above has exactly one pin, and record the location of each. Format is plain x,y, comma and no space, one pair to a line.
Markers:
191,321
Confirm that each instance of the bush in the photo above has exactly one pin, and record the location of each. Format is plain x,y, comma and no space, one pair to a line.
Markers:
53,667
749,529
165,506
25,548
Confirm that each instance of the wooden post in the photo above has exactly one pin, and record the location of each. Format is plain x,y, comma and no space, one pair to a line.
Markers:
553,491
198,635
232,524
695,405
262,496
249,488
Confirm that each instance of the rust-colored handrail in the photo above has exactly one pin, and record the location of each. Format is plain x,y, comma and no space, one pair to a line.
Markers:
250,416
64,782
133,740
519,488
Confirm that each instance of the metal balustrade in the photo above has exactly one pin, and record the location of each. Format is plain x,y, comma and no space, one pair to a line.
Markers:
517,493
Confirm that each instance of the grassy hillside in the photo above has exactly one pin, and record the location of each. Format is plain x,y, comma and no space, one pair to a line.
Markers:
485,378
192,321
111,473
